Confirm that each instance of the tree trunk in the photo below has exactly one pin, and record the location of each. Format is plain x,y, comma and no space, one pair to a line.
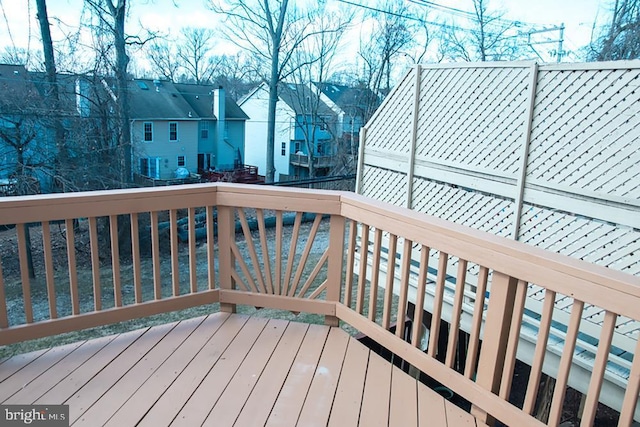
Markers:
274,79
271,118
118,12
122,63
51,95
47,48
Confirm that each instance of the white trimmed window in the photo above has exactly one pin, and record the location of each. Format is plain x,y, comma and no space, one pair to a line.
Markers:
204,130
148,131
283,149
182,161
173,131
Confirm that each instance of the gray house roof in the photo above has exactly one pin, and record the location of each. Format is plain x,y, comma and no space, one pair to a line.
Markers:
200,98
17,90
154,99
161,99
349,98
302,99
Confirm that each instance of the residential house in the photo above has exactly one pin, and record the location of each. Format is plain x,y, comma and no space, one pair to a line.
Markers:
183,129
24,142
352,106
304,135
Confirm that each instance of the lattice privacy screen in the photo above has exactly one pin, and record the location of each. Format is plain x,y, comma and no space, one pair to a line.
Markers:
549,155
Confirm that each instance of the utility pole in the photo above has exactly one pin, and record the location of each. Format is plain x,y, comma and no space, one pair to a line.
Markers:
560,41
559,53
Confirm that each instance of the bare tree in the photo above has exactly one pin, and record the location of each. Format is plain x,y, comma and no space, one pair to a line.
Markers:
619,39
272,30
487,39
238,74
195,53
51,93
309,66
19,56
164,59
392,34
113,15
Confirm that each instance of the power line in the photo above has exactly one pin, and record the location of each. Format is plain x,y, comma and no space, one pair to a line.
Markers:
470,15
410,17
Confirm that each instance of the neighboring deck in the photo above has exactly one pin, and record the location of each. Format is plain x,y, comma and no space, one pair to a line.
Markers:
225,370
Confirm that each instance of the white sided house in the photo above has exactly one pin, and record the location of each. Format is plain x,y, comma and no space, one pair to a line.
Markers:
256,105
305,131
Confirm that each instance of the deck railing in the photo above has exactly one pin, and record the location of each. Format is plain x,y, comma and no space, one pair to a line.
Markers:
105,257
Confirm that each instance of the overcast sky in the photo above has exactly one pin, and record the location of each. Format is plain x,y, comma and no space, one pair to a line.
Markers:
170,15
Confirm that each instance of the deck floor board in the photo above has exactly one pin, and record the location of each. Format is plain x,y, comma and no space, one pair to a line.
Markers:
346,406
226,370
377,392
288,405
258,405
134,409
63,369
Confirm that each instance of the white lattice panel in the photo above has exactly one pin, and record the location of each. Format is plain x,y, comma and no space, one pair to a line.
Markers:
584,146
394,191
473,117
392,131
612,246
586,131
469,208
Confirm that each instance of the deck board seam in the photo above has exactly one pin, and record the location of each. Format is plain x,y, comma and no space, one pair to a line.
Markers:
316,360
195,390
166,357
286,375
90,404
107,340
261,370
44,369
143,415
189,365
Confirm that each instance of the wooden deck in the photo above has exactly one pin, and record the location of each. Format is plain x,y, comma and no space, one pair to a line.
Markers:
225,370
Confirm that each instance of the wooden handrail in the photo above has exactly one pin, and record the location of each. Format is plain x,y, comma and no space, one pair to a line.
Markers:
504,266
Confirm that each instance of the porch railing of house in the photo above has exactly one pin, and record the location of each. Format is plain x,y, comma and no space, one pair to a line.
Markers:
318,161
308,267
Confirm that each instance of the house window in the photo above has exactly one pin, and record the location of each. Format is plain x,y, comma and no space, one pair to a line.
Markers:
182,161
297,146
173,131
204,130
150,167
148,132
283,149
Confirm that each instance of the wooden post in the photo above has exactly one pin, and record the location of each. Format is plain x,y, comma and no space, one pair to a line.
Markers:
336,255
524,154
226,235
360,170
496,337
414,137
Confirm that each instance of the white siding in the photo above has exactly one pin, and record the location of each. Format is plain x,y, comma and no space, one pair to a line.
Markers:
256,107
